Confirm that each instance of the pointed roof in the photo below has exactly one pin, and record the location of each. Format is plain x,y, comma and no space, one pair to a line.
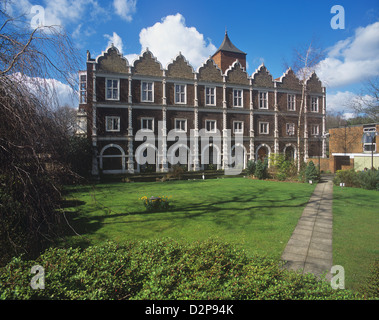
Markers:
228,46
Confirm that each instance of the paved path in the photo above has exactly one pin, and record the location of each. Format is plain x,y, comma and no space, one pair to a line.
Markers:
310,246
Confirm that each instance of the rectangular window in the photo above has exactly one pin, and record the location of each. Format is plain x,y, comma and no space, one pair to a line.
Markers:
263,100
314,130
112,89
314,104
210,96
263,127
237,98
180,93
147,91
83,88
291,99
147,124
369,139
210,126
112,124
181,125
290,129
238,127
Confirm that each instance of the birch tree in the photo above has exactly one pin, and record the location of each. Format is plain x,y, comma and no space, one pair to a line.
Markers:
305,62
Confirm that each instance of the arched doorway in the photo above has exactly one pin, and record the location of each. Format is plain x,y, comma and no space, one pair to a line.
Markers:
290,152
112,159
263,152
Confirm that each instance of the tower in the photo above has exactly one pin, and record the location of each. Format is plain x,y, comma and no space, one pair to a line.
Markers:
227,53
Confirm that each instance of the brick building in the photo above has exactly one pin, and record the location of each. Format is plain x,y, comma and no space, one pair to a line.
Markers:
119,99
353,147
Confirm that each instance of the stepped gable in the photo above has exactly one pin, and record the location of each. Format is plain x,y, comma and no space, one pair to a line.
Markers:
237,74
262,78
147,64
289,81
180,68
314,84
112,60
209,71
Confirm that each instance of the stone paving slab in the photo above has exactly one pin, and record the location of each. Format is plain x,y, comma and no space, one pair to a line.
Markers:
310,248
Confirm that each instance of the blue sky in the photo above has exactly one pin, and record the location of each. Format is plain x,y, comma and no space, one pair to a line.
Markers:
268,31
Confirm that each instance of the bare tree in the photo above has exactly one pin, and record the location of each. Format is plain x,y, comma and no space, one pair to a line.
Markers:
30,136
367,103
305,61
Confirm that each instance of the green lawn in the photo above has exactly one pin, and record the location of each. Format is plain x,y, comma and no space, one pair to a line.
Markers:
355,232
258,215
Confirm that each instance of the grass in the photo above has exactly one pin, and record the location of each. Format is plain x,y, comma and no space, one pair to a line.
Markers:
259,216
355,232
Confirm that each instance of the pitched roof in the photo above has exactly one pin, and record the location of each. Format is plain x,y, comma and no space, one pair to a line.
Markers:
228,46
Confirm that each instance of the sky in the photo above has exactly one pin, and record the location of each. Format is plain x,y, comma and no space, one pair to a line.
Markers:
268,31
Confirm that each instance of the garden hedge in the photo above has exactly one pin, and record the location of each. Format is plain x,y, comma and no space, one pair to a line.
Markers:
158,270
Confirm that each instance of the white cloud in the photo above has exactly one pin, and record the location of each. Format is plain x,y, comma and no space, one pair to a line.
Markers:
343,101
352,60
167,38
125,8
116,40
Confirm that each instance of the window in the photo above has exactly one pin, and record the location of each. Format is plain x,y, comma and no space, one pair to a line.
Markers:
314,104
210,96
181,125
263,104
83,88
147,124
291,99
290,129
180,93
314,130
112,89
237,98
238,127
210,125
147,91
112,124
369,139
263,127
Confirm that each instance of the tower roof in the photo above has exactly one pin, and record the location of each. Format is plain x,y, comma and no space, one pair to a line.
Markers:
228,46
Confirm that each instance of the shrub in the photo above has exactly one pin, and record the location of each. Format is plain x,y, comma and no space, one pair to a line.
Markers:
369,179
365,179
251,167
348,177
311,173
370,287
159,270
261,169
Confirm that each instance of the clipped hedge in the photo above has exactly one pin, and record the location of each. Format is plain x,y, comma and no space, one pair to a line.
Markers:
161,269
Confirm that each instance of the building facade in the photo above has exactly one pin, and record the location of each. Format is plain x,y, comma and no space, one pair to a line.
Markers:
353,147
131,110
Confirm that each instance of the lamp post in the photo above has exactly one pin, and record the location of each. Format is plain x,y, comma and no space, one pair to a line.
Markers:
372,135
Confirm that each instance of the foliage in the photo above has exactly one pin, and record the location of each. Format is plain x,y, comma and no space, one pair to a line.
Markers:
370,286
261,169
156,203
77,154
282,168
368,180
311,172
160,270
251,167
